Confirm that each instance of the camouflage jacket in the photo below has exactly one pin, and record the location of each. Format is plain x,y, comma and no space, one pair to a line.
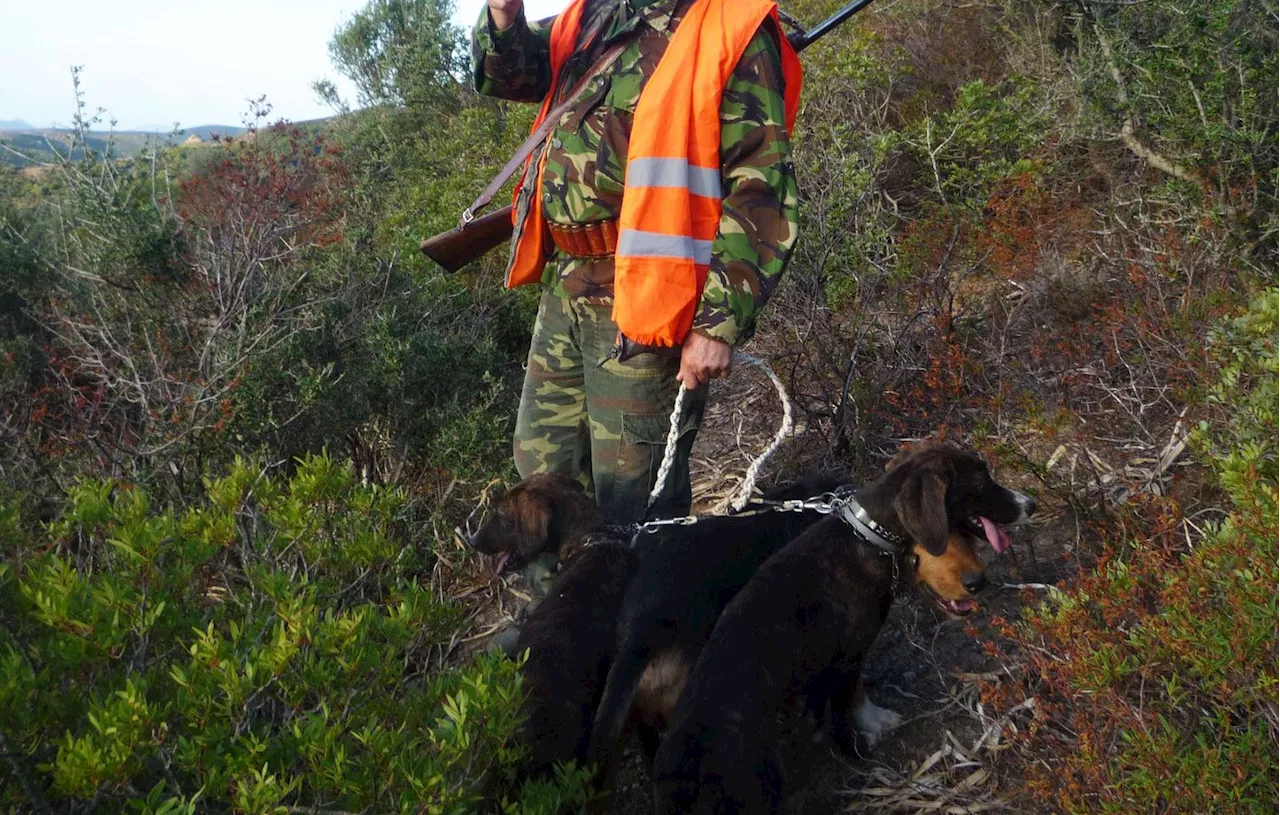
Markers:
586,155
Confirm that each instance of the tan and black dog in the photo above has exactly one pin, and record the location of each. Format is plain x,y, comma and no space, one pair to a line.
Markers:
801,626
570,635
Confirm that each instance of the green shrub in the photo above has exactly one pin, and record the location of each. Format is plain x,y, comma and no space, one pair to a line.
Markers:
1198,84
1161,663
274,644
984,138
1245,447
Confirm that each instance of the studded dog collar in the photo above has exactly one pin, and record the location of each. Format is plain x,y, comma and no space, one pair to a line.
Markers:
893,546
864,526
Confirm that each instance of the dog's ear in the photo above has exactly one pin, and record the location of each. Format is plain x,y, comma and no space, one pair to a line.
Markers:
922,510
532,516
906,451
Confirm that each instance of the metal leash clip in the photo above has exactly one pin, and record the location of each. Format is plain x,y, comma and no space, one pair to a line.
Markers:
658,523
826,503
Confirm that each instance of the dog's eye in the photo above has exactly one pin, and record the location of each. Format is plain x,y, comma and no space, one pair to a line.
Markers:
976,479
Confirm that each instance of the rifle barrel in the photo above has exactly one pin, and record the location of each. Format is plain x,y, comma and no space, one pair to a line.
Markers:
818,31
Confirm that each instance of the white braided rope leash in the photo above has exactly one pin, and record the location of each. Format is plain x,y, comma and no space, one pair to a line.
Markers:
743,495
669,453
748,485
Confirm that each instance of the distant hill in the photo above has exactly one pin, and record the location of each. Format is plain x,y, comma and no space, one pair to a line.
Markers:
40,145
206,132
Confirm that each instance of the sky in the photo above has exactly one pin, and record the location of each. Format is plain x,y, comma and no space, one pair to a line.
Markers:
152,63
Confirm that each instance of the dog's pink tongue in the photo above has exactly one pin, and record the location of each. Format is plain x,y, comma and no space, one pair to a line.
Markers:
961,606
997,537
502,563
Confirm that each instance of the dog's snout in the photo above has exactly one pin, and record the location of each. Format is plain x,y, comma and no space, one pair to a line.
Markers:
974,582
1025,503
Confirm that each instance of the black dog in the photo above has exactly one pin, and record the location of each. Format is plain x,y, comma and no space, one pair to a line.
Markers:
801,625
687,575
570,635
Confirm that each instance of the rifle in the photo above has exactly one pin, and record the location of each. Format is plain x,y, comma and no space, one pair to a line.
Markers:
468,241
476,236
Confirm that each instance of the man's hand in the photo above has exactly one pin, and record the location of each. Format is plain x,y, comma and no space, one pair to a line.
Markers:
703,359
503,12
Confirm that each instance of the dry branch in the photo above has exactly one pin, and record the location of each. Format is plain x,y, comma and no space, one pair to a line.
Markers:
1127,129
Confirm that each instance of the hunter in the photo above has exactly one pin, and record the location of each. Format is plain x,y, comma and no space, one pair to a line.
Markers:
653,288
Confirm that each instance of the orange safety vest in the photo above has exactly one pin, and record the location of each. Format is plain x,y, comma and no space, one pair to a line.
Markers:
672,198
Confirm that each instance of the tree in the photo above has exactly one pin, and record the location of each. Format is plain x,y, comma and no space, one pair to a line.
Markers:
400,53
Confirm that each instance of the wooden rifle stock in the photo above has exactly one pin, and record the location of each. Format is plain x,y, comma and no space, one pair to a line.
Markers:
463,244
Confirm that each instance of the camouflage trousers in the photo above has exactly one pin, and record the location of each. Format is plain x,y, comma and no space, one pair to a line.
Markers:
602,421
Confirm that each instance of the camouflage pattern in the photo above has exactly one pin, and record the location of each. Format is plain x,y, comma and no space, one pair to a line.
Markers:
586,155
605,422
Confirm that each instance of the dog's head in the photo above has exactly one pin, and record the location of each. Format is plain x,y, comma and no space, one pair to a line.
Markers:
946,502
543,513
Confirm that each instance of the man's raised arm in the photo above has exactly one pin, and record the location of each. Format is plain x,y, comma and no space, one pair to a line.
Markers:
510,57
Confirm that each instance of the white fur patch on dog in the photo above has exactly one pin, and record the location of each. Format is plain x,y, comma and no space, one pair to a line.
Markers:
874,721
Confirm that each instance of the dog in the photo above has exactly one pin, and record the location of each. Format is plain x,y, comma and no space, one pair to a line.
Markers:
570,634
544,513
802,624
687,575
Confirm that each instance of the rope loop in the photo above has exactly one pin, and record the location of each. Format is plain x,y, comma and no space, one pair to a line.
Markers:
748,486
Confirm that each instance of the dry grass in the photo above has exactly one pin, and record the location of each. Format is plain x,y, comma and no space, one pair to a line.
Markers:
956,778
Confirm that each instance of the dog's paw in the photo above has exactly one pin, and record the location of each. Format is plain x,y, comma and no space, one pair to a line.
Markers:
874,722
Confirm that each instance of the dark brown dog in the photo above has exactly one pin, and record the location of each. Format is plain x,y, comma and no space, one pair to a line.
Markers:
543,513
801,626
570,635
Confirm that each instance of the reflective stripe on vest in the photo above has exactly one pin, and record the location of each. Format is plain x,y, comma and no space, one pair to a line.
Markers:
674,173
657,245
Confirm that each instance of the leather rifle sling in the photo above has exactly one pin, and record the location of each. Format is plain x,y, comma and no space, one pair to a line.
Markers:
548,124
